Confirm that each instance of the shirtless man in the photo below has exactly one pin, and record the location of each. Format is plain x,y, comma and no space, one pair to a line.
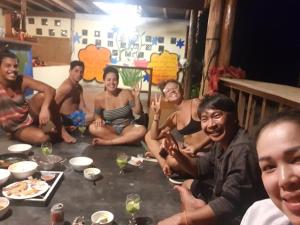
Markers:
26,120
69,97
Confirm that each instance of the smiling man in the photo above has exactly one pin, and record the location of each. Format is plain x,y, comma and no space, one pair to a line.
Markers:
231,165
26,120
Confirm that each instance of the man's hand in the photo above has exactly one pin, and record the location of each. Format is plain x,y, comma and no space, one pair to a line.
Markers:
173,220
44,116
190,150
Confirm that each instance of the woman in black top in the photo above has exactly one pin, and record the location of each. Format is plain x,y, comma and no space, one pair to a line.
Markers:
185,120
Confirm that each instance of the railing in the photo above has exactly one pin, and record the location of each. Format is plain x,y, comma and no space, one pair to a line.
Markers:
257,100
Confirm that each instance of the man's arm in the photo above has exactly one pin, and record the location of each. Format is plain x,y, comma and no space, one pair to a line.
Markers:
48,92
203,216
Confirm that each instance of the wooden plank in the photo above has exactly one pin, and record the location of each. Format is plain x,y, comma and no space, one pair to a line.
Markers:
50,14
38,5
263,110
252,114
248,111
284,94
241,108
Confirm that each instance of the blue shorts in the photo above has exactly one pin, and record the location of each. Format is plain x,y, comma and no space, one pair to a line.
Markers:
74,119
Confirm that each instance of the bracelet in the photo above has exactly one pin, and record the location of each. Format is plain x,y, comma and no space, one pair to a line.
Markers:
185,217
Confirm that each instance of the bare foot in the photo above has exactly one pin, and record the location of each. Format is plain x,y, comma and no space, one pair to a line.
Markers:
149,155
188,201
100,141
67,137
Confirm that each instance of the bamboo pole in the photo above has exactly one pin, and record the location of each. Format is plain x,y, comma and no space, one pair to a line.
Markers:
24,14
190,54
226,33
212,41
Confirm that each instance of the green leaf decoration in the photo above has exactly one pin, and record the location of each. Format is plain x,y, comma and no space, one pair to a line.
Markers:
130,76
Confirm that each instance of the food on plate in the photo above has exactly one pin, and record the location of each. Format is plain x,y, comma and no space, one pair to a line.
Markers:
25,188
47,176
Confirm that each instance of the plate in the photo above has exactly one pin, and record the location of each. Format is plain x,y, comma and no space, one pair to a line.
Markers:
25,189
19,148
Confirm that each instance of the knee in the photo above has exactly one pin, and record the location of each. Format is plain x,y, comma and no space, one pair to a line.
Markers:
41,137
148,137
141,131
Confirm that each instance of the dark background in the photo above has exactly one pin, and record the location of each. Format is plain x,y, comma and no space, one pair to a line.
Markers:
266,40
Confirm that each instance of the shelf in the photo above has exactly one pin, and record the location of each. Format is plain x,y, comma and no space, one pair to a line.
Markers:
16,41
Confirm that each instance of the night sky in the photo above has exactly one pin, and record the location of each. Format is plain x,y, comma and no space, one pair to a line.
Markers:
266,40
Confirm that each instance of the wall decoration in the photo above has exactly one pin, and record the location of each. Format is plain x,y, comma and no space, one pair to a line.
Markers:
123,44
115,52
161,48
154,40
165,66
97,33
84,41
98,43
131,77
57,23
148,47
148,38
84,32
141,55
110,44
44,21
173,40
110,35
39,31
30,20
95,59
180,43
76,38
51,32
127,54
160,39
64,33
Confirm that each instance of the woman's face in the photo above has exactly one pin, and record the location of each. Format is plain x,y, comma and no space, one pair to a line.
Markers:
218,125
172,92
278,148
111,81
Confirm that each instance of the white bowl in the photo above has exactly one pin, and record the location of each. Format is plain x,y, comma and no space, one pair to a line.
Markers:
102,217
4,175
80,163
92,173
4,205
22,170
20,148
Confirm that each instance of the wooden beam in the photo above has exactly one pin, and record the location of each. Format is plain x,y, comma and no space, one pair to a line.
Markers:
212,41
187,84
39,5
182,4
226,33
51,14
59,6
84,6
5,6
15,2
65,6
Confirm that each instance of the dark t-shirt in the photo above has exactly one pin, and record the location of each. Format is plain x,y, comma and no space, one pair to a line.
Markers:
236,177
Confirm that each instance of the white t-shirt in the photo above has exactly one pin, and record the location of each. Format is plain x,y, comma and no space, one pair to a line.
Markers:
264,212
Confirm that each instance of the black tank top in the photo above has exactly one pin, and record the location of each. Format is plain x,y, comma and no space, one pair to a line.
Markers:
193,126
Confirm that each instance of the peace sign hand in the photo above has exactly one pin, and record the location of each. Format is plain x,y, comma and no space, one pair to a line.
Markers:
155,104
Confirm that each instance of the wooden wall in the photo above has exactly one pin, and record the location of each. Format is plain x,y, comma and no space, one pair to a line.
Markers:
53,51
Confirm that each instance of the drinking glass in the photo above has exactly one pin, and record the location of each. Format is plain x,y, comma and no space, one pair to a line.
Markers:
132,206
46,148
82,128
121,160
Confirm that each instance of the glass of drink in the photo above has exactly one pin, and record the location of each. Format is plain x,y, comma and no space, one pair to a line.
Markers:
133,202
46,148
121,161
82,128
